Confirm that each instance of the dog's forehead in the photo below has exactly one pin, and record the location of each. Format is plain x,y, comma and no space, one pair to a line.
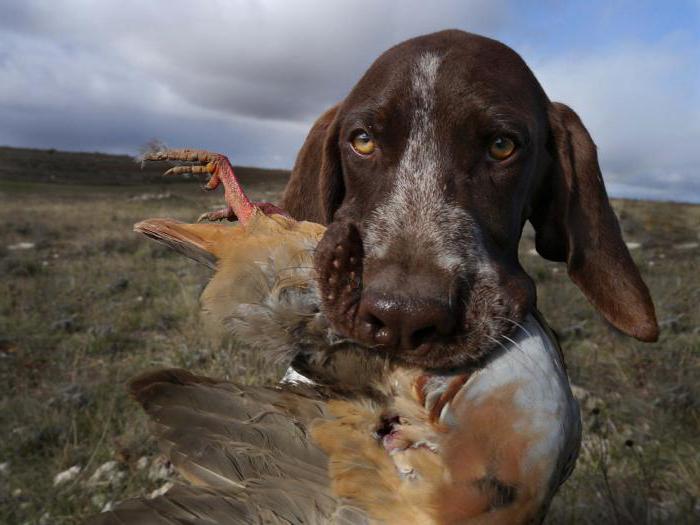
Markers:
471,70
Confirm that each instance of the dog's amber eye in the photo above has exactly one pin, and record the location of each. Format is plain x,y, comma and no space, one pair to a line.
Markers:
501,148
363,143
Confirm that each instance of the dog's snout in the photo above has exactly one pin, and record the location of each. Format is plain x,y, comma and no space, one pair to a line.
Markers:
404,321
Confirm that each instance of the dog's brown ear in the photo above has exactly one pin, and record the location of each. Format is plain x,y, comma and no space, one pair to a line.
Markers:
574,222
315,188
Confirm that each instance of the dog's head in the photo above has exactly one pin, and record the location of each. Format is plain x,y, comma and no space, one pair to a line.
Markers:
428,171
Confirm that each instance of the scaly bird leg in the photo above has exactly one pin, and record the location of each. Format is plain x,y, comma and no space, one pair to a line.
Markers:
238,206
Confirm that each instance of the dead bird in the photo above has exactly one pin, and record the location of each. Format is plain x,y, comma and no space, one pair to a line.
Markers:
349,435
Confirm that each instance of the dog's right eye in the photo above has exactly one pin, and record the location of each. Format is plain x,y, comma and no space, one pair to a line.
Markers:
362,143
502,148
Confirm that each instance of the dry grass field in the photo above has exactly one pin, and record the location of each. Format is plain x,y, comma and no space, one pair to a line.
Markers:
85,304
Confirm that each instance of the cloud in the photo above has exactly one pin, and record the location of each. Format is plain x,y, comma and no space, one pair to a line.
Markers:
641,104
248,77
243,76
269,60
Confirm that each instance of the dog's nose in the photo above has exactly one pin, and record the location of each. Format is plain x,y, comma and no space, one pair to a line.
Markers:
396,320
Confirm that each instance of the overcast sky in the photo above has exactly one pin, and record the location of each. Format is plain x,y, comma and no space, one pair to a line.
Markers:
247,77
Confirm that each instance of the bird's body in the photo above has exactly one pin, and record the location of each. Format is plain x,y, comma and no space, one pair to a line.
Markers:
349,436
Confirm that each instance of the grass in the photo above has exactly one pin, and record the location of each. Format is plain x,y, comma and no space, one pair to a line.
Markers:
90,305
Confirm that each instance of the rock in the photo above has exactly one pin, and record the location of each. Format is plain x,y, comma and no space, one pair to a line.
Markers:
151,196
579,392
590,404
142,463
66,476
4,468
21,246
108,473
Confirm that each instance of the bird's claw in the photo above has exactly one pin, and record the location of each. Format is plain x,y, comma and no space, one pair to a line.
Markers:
238,206
218,215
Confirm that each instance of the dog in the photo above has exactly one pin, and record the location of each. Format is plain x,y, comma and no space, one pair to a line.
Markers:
426,174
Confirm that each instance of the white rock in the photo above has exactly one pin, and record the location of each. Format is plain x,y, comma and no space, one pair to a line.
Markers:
633,245
142,463
579,392
151,196
107,473
21,246
66,476
4,468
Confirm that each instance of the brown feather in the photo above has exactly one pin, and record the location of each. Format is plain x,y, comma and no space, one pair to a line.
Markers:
298,453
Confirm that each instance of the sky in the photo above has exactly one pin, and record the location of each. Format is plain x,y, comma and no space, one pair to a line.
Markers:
247,78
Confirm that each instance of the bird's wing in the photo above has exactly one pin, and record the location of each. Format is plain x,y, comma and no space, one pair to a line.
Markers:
246,451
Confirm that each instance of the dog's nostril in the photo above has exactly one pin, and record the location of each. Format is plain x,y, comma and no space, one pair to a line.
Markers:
376,330
423,335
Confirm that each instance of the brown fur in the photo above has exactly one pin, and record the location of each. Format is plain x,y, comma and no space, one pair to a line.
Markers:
553,180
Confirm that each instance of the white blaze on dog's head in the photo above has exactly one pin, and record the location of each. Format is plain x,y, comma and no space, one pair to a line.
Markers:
416,212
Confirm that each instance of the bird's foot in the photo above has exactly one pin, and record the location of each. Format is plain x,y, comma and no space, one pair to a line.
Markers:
238,206
406,443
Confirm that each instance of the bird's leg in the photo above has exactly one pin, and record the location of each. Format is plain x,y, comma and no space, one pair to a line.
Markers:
238,206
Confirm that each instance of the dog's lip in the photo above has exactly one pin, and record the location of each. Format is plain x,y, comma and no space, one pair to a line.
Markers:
446,345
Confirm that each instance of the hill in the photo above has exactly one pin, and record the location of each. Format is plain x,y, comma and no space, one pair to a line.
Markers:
66,167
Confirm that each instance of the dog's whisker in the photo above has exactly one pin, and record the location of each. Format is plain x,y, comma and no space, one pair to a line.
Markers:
514,323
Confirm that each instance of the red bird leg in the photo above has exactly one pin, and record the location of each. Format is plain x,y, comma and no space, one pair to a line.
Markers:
238,206
271,209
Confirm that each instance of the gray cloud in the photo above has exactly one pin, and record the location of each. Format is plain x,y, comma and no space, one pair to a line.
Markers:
247,78
643,112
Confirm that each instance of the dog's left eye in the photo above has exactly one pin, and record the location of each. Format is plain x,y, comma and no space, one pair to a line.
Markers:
362,143
501,148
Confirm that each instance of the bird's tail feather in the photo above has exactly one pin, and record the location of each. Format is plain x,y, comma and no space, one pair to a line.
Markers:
199,242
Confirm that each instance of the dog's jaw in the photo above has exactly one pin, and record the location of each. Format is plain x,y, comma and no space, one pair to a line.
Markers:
494,305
